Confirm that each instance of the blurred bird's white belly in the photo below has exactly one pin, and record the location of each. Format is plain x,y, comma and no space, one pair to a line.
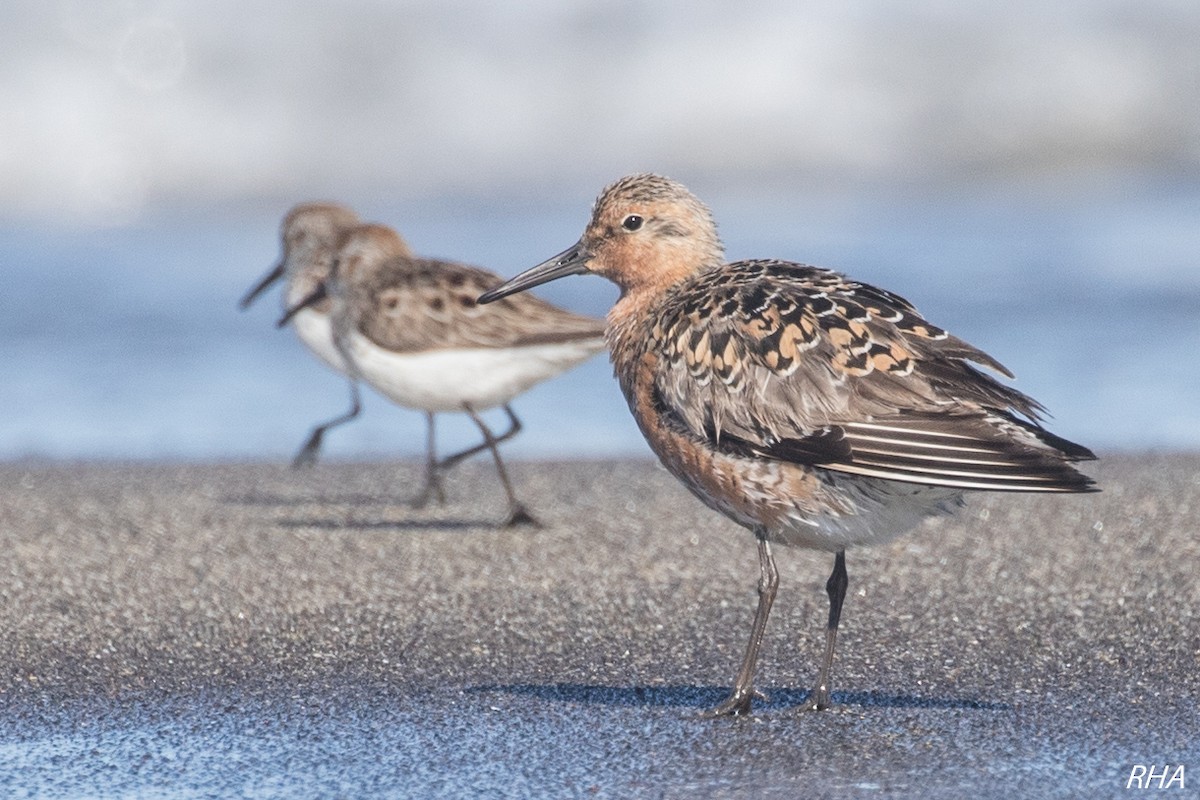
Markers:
316,332
446,380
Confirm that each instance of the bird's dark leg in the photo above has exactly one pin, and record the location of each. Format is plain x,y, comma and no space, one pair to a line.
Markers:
514,427
517,515
433,476
739,701
835,587
307,456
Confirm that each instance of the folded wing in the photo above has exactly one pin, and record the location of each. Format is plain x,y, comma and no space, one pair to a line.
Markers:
785,361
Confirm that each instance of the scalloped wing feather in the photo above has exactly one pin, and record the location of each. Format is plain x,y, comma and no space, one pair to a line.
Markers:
415,302
797,363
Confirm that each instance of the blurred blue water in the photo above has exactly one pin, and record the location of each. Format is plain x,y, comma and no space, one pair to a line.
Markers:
127,343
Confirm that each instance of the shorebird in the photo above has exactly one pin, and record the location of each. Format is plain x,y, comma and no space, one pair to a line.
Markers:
412,330
309,236
814,410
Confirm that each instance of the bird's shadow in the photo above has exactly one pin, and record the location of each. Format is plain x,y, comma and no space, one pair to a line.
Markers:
705,697
359,502
414,525
267,499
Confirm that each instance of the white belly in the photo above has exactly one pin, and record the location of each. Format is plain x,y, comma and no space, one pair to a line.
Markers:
882,510
316,331
446,380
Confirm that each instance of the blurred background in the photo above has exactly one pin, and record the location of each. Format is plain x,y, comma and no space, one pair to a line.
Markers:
1027,173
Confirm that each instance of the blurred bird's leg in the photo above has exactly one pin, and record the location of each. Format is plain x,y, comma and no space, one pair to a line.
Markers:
433,470
517,515
514,427
307,456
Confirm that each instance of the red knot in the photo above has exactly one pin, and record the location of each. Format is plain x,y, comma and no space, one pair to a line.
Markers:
814,410
412,330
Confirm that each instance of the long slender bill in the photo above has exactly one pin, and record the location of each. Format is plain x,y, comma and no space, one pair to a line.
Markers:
275,274
572,261
316,296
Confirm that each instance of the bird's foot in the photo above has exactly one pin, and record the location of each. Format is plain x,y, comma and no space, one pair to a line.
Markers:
736,705
432,492
518,516
818,700
307,457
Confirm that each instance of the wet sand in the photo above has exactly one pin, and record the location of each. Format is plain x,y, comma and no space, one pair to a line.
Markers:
246,630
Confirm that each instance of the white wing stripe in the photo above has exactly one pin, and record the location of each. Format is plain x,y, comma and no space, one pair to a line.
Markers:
909,431
921,445
936,472
1001,484
993,462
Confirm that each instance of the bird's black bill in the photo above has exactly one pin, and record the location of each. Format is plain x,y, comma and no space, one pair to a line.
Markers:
317,295
275,274
572,261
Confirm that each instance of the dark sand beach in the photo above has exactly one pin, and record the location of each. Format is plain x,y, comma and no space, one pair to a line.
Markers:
245,630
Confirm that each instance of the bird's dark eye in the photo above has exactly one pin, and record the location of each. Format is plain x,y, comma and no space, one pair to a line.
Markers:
632,222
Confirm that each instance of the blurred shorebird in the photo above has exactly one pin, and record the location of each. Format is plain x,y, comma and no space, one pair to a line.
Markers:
814,410
309,236
412,330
